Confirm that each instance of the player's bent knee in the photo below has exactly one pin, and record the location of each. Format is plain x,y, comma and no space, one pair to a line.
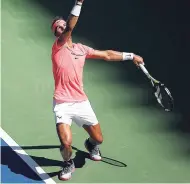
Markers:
100,140
66,144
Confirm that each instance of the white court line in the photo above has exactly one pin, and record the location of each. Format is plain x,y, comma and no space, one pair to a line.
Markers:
26,158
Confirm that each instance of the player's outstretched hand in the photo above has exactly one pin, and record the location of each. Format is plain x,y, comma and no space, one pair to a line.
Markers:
138,60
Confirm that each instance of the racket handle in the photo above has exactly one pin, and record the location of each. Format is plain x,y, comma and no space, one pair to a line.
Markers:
144,69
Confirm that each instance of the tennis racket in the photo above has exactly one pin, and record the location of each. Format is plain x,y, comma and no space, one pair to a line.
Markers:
161,92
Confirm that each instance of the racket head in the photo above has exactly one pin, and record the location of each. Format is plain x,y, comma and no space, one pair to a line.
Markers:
163,96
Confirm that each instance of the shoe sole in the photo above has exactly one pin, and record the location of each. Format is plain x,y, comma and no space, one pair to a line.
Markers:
64,179
95,159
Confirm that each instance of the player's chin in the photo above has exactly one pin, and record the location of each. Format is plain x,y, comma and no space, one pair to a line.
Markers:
58,33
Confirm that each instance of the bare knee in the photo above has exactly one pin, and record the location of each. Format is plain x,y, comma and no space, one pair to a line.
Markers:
66,150
66,143
95,133
100,140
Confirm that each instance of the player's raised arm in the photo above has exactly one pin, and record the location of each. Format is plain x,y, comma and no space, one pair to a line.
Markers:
71,22
110,55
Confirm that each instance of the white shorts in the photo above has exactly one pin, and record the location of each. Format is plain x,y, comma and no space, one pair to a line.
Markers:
79,112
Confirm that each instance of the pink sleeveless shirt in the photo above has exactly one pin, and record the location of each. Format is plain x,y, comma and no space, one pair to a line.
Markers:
67,65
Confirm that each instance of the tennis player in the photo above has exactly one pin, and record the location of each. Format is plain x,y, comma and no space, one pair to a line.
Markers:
70,100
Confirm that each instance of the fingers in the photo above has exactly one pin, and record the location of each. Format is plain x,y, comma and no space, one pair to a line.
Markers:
138,60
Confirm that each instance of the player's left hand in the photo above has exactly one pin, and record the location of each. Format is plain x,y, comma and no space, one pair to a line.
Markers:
138,60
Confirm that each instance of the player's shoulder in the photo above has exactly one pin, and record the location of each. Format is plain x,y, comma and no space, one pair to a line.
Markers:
82,46
79,46
55,46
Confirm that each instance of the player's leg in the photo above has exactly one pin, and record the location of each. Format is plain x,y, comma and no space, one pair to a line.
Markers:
63,127
95,133
65,137
86,118
94,140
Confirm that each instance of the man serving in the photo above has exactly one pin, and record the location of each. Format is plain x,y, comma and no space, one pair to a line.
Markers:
70,101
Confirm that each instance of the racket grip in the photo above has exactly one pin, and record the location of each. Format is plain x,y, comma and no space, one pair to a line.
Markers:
144,69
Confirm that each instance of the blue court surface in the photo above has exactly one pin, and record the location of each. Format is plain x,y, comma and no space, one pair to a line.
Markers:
14,169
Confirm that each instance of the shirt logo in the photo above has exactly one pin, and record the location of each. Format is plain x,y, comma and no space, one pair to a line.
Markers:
59,117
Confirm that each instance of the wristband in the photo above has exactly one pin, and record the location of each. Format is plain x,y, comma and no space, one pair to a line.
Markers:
76,9
127,56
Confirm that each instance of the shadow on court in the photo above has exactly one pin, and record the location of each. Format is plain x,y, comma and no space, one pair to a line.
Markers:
158,33
79,159
16,165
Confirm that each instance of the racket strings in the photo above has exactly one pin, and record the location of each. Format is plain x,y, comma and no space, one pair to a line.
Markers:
163,97
161,93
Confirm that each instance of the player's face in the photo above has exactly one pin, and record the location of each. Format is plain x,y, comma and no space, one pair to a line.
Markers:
60,29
